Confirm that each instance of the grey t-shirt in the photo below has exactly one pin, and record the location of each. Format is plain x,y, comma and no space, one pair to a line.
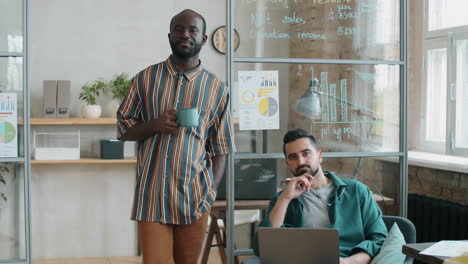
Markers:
315,209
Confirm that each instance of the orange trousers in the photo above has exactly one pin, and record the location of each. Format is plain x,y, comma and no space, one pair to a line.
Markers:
169,243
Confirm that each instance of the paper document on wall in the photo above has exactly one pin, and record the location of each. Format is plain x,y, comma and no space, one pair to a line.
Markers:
258,100
8,125
447,248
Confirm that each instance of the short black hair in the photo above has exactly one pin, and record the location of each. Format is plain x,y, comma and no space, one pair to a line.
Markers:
298,133
189,10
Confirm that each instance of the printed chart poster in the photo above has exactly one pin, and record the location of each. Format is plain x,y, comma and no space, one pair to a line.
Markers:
8,125
258,100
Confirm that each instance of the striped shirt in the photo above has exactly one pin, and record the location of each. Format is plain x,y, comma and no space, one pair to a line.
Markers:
174,171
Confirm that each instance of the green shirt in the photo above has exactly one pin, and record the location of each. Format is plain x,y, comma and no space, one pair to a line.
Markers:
355,213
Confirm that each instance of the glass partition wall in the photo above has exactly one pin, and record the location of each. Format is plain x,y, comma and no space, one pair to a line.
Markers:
334,68
14,134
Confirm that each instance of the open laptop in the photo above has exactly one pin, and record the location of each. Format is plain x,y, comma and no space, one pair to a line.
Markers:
298,245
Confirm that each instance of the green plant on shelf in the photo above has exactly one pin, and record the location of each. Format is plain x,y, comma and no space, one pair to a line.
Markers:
90,91
118,86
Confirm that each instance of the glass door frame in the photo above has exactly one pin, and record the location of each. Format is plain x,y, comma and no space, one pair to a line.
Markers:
402,154
26,159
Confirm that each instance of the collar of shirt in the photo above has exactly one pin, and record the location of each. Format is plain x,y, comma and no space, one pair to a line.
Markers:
190,74
337,182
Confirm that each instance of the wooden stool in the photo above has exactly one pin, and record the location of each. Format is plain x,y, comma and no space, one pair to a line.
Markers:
217,222
214,230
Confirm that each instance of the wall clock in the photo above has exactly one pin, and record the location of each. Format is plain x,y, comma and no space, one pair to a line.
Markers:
219,39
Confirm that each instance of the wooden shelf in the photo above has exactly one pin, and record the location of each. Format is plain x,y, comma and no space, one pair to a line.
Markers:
78,121
70,121
87,161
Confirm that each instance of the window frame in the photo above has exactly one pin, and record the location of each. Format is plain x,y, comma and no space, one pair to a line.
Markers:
436,39
451,93
423,144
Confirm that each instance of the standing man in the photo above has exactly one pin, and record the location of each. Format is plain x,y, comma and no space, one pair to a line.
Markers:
178,168
319,199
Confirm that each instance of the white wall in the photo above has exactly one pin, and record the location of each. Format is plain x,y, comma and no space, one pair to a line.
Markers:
83,210
85,40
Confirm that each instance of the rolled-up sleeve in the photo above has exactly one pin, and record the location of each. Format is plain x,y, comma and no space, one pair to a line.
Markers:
221,137
374,227
129,113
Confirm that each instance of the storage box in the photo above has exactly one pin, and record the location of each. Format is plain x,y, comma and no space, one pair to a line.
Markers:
111,149
57,145
129,149
63,98
49,98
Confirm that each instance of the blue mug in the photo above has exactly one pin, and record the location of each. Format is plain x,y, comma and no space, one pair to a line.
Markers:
187,117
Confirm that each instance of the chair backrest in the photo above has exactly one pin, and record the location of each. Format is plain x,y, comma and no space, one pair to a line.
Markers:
407,227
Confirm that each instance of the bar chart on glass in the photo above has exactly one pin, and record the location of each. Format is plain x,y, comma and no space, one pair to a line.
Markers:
328,105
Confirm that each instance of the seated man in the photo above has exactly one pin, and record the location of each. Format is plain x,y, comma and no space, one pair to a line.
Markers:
319,199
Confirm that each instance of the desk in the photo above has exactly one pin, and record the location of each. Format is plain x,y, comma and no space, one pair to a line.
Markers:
413,250
218,211
241,205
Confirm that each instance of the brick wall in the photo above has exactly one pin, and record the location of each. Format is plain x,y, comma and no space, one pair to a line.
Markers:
385,175
441,184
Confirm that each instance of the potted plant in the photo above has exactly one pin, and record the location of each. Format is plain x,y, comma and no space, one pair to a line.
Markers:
89,93
118,87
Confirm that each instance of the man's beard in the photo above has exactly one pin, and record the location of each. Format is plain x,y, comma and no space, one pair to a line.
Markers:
306,169
185,53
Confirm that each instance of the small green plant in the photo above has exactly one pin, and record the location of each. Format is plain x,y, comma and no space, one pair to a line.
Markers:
119,86
90,91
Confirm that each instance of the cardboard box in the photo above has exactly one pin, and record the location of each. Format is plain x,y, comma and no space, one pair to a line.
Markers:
63,98
49,97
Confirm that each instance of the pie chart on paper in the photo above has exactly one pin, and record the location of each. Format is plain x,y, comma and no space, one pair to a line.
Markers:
248,97
7,132
268,106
